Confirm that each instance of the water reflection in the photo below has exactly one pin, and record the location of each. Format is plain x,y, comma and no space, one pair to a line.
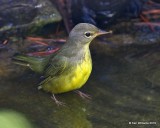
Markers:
124,88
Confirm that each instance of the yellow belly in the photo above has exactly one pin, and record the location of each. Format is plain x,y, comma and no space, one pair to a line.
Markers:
74,79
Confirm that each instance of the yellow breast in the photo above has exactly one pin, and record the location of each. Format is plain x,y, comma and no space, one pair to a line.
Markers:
74,79
81,74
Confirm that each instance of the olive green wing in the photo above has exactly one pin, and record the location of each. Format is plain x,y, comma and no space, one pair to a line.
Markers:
55,68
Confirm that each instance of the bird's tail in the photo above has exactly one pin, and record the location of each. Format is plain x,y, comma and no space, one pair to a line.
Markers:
36,64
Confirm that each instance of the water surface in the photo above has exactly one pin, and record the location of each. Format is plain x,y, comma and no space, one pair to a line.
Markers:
124,86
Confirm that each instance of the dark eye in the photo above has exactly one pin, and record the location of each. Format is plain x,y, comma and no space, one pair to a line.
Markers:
88,34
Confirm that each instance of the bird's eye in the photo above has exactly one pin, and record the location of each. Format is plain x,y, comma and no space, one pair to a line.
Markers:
88,34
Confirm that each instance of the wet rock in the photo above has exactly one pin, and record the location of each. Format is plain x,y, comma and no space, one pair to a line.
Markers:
25,16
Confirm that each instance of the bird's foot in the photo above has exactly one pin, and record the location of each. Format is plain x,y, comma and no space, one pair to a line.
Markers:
83,95
59,103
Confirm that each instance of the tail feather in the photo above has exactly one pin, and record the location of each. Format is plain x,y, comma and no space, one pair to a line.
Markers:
36,64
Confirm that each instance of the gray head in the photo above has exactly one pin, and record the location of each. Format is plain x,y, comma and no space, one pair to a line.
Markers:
84,33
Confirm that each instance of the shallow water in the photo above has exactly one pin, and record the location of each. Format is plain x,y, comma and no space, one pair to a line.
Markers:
124,86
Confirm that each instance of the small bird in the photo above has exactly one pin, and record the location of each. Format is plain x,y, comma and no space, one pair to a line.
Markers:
70,67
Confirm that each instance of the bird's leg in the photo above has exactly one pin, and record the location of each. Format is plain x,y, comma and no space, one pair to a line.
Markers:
59,103
83,95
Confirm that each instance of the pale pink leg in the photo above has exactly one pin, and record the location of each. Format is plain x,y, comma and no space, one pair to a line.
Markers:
83,95
59,103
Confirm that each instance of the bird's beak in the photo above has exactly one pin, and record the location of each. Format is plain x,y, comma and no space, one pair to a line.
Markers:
101,32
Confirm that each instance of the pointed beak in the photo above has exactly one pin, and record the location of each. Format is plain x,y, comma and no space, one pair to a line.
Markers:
101,32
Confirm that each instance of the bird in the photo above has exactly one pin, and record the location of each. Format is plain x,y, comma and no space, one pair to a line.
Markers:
70,67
